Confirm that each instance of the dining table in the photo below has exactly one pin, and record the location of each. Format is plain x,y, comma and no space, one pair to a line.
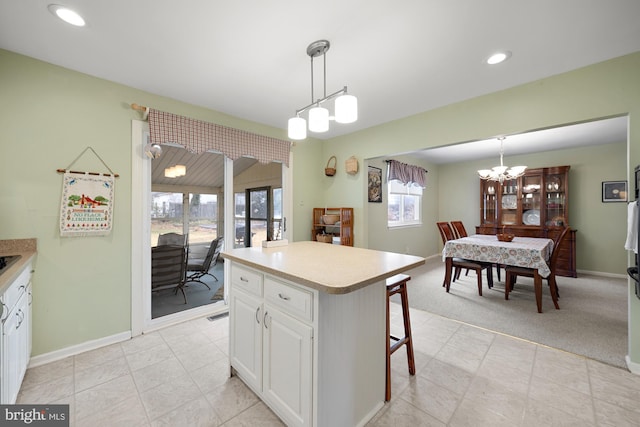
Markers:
529,252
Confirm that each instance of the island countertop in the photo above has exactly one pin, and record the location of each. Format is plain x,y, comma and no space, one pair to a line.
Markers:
334,269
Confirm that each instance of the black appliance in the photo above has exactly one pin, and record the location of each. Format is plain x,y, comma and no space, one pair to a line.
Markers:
7,261
633,271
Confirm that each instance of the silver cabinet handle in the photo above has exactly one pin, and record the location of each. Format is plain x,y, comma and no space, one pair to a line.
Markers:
266,313
257,317
284,297
243,279
20,318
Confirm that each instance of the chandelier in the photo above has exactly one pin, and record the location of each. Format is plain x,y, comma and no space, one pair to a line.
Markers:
346,106
501,173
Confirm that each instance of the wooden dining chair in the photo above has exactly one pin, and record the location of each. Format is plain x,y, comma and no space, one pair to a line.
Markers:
461,232
459,229
447,233
512,272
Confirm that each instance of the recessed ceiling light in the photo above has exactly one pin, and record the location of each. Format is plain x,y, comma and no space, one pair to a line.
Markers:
67,15
498,57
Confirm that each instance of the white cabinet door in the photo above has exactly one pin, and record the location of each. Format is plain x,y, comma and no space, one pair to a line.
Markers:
28,323
14,344
246,317
288,366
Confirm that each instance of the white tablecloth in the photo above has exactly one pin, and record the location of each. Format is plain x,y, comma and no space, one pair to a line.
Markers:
530,252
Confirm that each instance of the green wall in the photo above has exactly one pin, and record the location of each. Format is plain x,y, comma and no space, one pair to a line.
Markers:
82,286
602,90
48,116
601,226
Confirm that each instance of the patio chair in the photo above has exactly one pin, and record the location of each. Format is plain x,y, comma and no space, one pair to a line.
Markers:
168,270
201,267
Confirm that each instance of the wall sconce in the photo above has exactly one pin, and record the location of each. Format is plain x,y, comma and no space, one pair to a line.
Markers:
152,151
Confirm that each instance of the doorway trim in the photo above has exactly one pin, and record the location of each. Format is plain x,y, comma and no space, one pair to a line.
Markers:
141,321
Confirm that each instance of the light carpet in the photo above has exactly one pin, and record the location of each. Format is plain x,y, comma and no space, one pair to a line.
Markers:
592,320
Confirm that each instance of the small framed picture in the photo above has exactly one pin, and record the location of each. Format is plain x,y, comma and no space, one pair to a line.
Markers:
614,191
374,181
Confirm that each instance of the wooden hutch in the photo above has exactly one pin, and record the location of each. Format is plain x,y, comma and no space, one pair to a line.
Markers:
343,228
533,205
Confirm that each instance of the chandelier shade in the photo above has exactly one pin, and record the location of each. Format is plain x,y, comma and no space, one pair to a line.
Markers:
297,128
346,105
501,173
318,119
346,109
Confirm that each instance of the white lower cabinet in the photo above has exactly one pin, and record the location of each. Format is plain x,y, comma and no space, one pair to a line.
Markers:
287,367
317,359
16,336
271,342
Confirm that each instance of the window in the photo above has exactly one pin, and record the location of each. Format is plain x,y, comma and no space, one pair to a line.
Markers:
166,214
259,216
203,217
193,214
404,206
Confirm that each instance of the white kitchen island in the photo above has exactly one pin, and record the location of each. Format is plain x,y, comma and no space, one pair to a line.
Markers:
307,328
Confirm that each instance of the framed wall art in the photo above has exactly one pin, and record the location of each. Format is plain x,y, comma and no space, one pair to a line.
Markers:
374,180
614,191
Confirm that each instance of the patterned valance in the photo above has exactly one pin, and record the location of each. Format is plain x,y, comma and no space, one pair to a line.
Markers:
199,136
407,174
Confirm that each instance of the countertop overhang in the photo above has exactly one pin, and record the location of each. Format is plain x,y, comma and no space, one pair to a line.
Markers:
333,269
24,247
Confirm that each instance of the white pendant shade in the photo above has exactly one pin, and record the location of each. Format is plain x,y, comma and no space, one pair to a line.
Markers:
346,106
346,109
318,119
297,128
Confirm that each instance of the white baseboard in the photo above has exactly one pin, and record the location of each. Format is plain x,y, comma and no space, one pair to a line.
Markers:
633,367
165,321
45,358
602,274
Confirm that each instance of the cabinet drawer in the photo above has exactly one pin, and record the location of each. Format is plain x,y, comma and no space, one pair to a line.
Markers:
293,300
17,288
246,279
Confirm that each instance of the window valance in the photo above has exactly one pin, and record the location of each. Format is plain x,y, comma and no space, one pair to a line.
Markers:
199,136
407,174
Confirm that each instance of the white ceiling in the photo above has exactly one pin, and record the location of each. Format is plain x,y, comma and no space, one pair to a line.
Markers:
248,58
597,132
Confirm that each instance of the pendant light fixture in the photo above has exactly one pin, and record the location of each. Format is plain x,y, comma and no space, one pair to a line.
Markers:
175,171
501,173
346,106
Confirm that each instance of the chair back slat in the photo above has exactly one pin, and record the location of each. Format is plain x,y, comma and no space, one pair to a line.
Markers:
213,253
556,249
446,231
174,239
168,266
458,227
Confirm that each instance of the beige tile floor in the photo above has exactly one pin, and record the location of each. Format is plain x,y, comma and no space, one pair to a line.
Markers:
466,376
